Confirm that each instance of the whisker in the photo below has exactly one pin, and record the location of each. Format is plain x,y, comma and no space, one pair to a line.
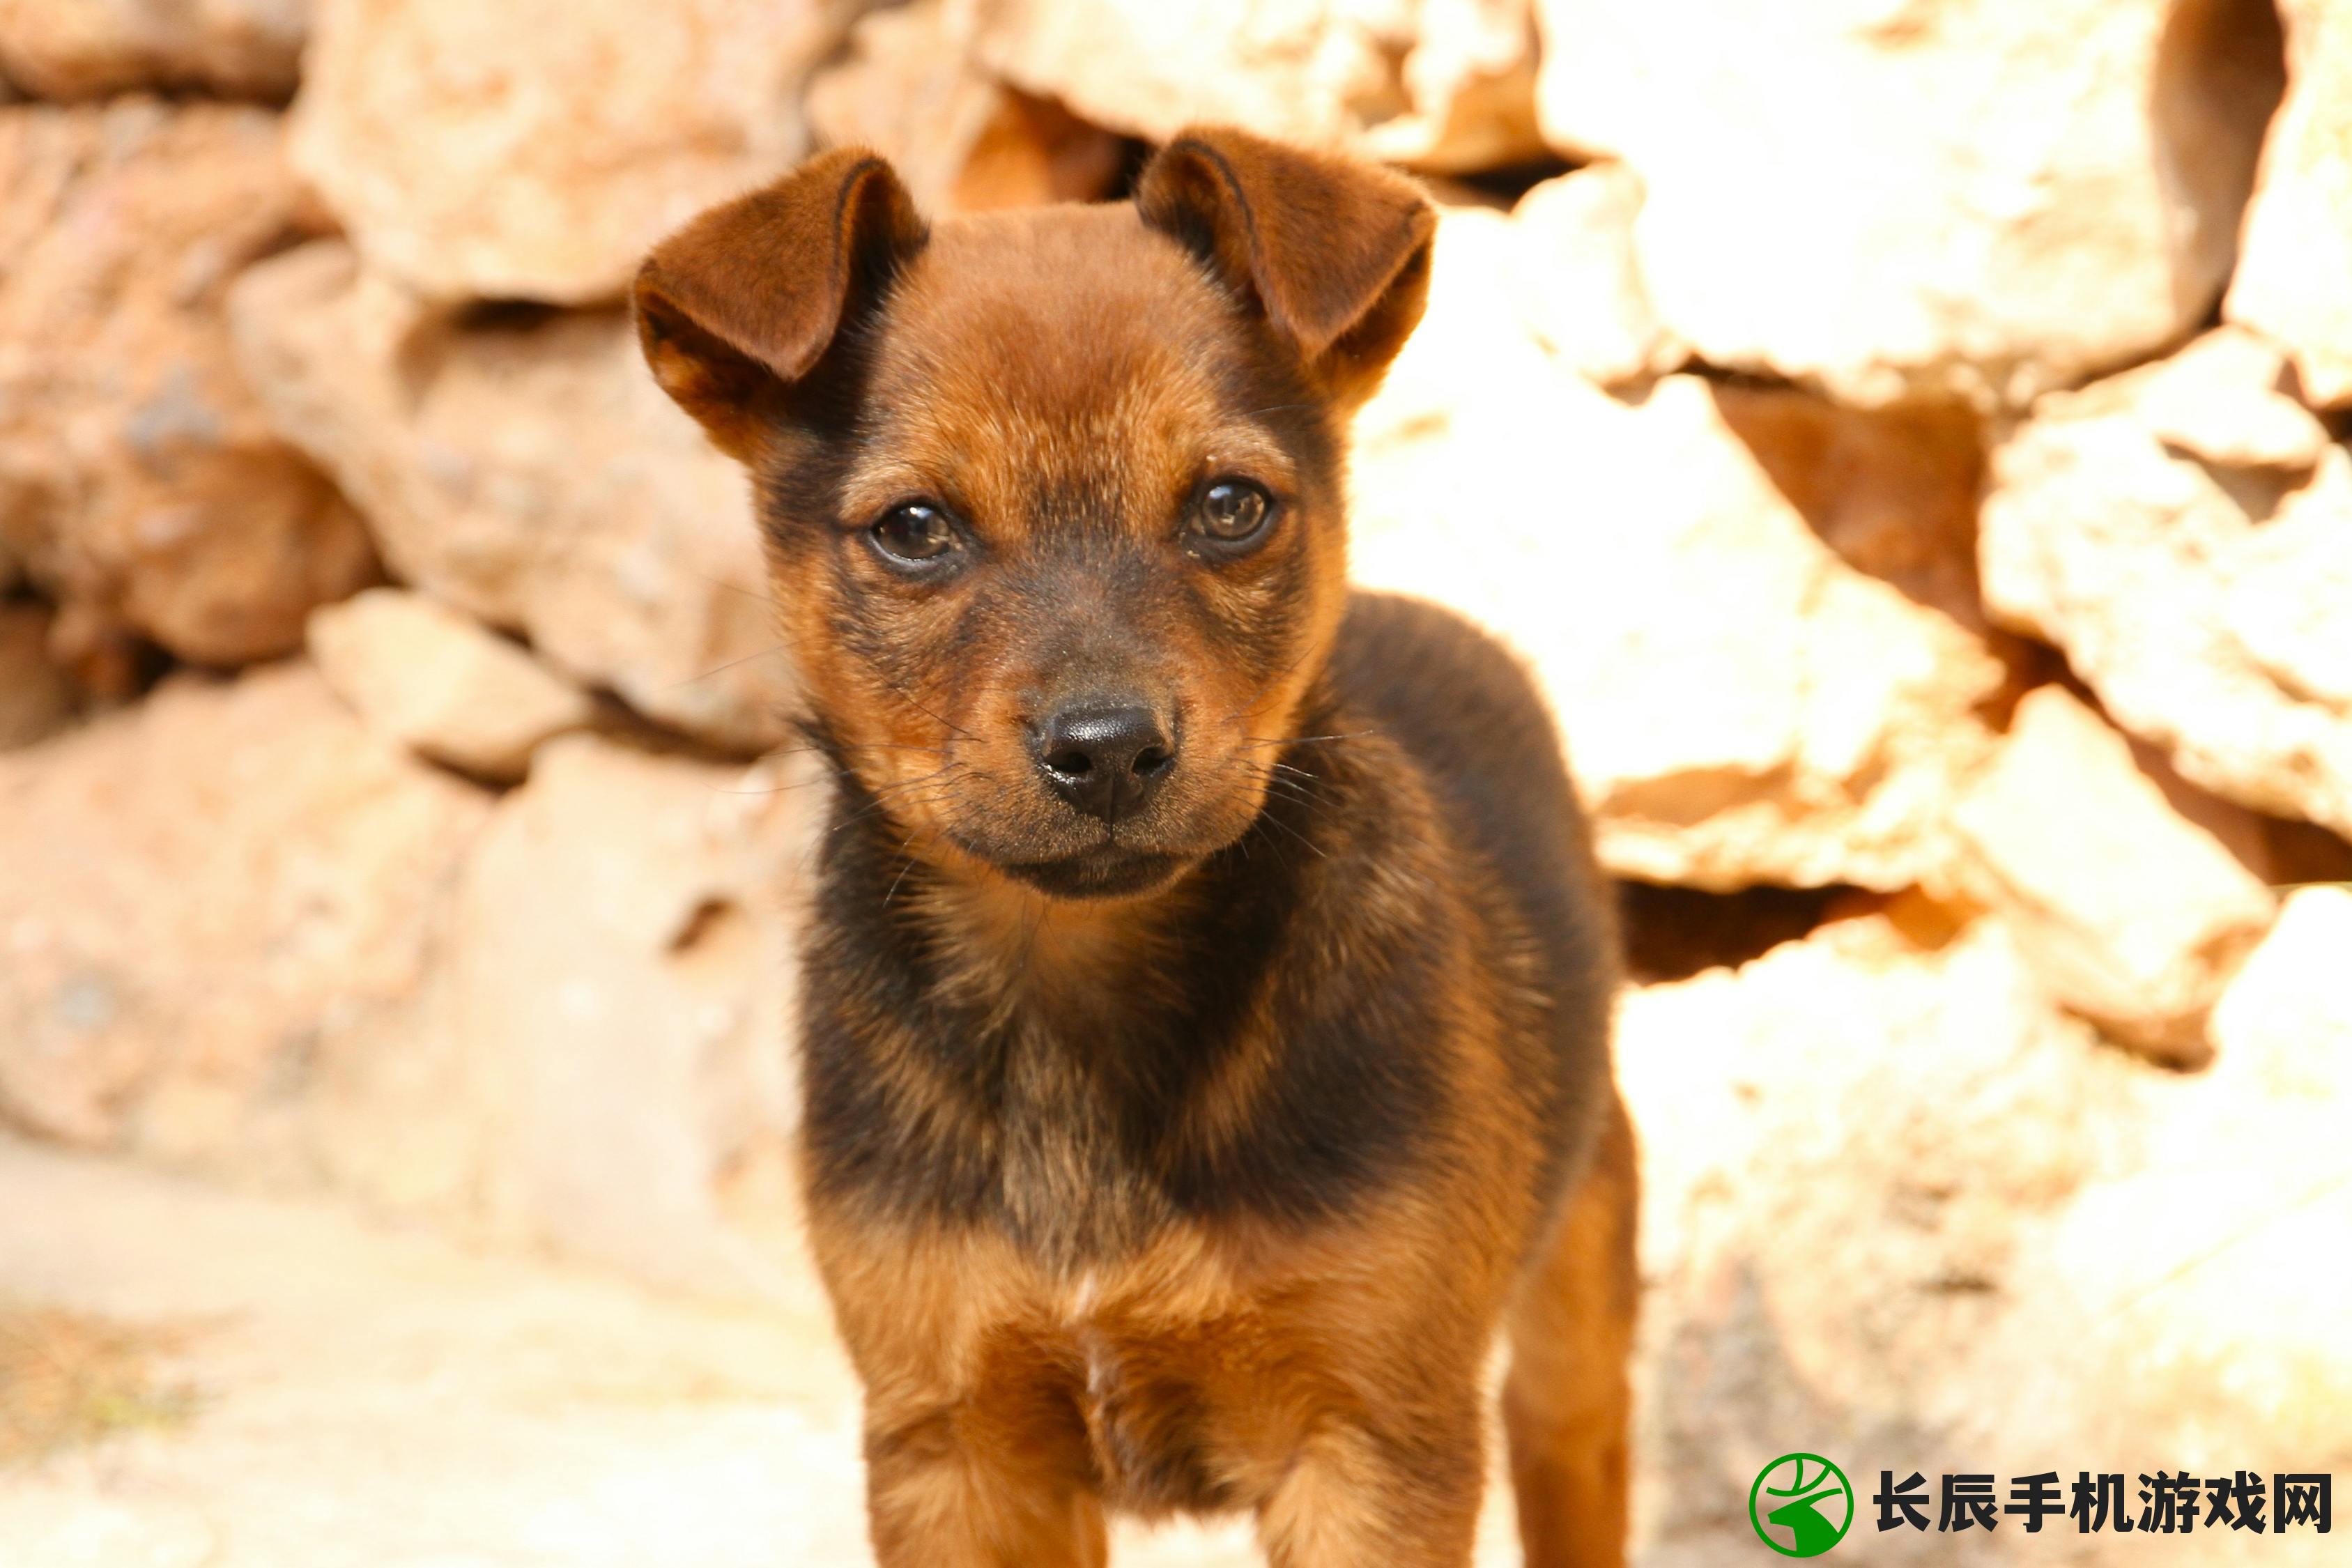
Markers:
764,597
771,651
1259,695
1277,822
1306,740
775,789
866,658
825,752
890,794
903,849
934,798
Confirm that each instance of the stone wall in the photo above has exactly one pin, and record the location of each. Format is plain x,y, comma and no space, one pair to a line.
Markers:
1908,441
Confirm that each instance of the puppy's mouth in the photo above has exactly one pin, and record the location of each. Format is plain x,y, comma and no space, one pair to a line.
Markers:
1108,870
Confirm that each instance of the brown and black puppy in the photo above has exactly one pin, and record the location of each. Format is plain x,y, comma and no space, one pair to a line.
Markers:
1206,1011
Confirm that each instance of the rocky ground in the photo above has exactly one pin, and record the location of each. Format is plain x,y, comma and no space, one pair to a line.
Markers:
287,1387
341,1395
1908,441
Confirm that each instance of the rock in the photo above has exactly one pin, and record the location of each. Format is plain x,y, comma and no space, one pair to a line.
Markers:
1825,200
2277,850
206,893
2223,399
961,140
2285,1026
2184,532
2133,916
88,48
1579,284
1839,1143
1880,1180
536,150
140,482
1440,85
622,995
2238,1193
1739,705
421,674
2298,248
1894,491
524,469
36,698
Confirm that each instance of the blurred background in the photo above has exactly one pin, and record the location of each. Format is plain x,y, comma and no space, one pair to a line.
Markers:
1907,436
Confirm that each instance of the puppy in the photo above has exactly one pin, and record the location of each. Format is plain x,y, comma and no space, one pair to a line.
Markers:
1205,1012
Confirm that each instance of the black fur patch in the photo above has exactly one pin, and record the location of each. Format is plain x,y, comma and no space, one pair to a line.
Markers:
923,1109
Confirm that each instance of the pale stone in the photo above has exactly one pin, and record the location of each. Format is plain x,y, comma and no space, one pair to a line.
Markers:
2133,916
597,1054
2286,605
1441,85
35,697
622,998
1579,283
2298,242
433,680
2277,850
2223,398
962,141
140,482
1843,1145
1894,491
87,49
1739,705
2285,1024
531,474
2200,592
204,893
2200,1294
1925,198
1881,1181
535,149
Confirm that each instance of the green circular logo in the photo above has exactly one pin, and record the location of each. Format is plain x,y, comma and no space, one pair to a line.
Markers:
1801,1506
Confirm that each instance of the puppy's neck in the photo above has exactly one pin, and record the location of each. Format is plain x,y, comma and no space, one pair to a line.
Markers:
1010,949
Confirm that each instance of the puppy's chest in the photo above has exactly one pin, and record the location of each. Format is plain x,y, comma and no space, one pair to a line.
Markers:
1170,1419
1079,1158
1153,1409
1083,1146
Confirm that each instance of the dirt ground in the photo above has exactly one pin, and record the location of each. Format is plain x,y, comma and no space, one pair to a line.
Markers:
191,1378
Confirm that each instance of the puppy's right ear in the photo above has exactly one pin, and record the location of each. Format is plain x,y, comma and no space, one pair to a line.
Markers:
1335,251
742,304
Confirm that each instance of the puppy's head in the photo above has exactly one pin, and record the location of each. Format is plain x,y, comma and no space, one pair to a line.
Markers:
1053,498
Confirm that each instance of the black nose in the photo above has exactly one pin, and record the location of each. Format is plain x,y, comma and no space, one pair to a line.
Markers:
1105,761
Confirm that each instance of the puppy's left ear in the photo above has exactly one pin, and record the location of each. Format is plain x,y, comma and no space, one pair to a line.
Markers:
742,307
1334,250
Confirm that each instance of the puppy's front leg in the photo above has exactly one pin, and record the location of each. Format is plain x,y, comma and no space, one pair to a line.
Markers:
973,1487
1354,1497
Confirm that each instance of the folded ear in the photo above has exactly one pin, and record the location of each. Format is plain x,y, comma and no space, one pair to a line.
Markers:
742,304
1335,250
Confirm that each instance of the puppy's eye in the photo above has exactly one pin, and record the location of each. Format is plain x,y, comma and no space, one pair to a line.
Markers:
916,534
1233,511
